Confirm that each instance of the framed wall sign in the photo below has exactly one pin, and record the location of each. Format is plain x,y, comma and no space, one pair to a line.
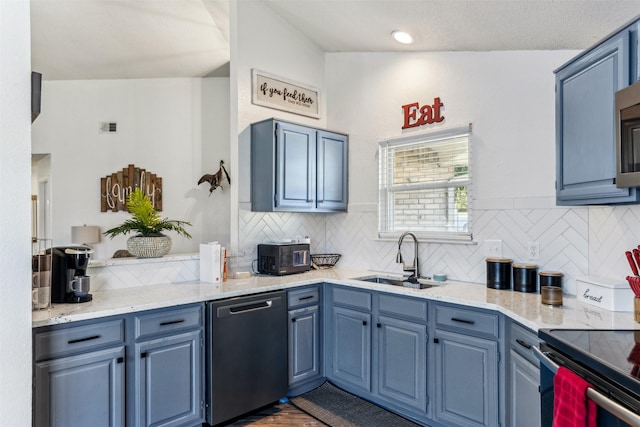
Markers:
277,92
115,188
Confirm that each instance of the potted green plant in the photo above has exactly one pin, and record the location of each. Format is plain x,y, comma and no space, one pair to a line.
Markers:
149,242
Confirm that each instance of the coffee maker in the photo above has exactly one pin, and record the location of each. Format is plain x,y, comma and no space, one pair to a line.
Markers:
69,281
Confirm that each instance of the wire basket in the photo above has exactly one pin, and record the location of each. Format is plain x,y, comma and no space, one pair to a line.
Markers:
325,260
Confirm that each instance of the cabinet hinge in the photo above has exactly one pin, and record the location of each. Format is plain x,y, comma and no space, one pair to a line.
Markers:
499,357
201,342
427,401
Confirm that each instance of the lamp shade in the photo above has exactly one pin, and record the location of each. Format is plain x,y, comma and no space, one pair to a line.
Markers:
85,234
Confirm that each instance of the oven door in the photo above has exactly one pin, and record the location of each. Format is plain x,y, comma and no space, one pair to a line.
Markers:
611,412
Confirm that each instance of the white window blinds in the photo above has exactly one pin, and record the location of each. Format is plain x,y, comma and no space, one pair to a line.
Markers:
425,185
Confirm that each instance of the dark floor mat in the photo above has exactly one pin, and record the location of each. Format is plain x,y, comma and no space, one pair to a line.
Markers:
338,408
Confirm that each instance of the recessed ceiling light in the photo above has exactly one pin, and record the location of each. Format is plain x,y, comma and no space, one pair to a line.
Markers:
402,37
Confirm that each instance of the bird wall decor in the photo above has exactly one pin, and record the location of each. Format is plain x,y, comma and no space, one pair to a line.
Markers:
216,179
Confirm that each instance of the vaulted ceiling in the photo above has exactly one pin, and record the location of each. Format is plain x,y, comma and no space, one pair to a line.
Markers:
115,39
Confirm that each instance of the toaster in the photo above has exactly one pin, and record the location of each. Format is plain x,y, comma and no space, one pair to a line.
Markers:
279,259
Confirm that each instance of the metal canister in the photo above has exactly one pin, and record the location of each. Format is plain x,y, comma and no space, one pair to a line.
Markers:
550,278
499,273
525,278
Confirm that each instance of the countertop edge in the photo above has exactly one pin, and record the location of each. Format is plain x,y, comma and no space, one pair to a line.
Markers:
523,308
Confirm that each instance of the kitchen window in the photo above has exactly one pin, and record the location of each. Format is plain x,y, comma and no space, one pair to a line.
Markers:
425,186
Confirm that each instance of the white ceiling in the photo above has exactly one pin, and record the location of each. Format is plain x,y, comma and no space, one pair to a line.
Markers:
105,39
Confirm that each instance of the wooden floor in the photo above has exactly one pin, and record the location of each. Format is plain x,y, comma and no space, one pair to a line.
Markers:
280,415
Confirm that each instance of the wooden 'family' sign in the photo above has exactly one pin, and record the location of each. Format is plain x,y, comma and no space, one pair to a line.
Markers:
115,188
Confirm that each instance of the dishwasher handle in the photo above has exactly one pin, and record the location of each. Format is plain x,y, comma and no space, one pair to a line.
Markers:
245,307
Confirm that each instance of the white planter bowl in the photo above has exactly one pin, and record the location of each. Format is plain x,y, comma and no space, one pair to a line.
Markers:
149,246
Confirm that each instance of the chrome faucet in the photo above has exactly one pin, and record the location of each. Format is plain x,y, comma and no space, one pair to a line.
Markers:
415,267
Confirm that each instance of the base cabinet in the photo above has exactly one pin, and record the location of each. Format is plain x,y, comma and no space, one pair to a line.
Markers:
468,374
81,390
378,348
140,370
524,378
351,344
402,362
305,340
466,378
168,381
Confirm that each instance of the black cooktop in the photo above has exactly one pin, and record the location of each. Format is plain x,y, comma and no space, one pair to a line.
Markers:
614,354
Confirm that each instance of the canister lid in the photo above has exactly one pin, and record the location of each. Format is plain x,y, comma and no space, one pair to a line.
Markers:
501,260
527,266
551,273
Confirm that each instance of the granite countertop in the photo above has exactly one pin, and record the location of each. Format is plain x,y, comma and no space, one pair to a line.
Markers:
524,308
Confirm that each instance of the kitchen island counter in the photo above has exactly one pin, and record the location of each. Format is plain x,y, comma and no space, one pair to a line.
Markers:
524,308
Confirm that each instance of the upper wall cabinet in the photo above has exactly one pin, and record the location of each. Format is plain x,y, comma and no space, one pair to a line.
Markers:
297,168
585,126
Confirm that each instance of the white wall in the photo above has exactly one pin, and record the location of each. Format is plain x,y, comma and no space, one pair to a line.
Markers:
264,41
175,128
509,98
15,213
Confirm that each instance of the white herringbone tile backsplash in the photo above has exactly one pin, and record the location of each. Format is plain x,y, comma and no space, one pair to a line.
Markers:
563,235
612,231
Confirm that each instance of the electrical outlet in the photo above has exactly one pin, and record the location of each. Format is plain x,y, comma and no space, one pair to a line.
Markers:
533,250
493,248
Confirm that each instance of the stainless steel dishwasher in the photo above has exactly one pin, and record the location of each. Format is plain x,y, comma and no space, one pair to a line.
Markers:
246,354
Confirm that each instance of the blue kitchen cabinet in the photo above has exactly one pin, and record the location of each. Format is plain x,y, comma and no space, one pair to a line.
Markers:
351,345
144,369
466,369
296,168
348,353
168,367
378,348
79,375
305,340
585,122
81,390
524,378
402,362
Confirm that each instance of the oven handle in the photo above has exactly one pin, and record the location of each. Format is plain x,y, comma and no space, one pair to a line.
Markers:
600,399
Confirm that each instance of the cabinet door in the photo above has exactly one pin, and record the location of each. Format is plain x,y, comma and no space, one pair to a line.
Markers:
402,362
332,163
525,394
304,344
466,373
585,130
351,347
168,381
295,167
82,390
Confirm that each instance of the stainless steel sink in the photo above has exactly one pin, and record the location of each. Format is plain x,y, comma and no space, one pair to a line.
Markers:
423,283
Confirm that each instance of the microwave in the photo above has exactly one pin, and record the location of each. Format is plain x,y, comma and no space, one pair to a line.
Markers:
627,122
283,258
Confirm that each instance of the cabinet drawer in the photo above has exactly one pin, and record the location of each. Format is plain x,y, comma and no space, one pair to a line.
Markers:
411,308
303,297
168,321
60,342
467,320
352,298
522,339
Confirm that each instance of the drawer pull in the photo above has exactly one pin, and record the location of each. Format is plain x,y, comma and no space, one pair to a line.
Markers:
379,325
365,323
468,322
293,320
143,355
120,360
305,298
93,337
524,344
171,322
